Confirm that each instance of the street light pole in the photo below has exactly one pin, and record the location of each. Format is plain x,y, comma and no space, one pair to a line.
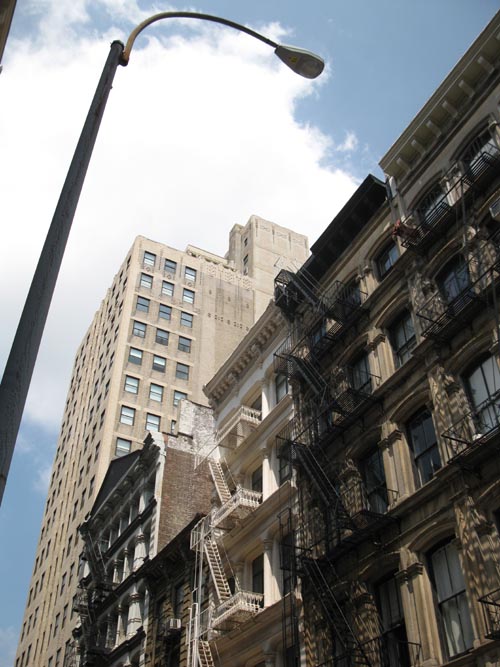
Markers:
21,362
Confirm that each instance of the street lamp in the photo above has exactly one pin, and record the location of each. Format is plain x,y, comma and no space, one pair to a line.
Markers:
19,367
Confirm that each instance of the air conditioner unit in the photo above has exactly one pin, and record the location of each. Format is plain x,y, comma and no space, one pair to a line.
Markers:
173,624
495,210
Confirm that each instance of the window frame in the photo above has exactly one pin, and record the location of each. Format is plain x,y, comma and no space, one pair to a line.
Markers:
178,396
385,267
139,329
187,316
162,340
402,353
167,288
188,296
146,281
135,384
127,415
182,371
164,312
156,419
142,304
425,456
149,258
190,274
170,266
132,357
184,346
159,366
154,394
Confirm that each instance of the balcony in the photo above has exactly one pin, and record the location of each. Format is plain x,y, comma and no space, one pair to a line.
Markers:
239,427
352,391
475,428
483,169
242,502
491,608
441,317
237,609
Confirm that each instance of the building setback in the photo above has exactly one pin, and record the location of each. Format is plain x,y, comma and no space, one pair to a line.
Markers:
168,321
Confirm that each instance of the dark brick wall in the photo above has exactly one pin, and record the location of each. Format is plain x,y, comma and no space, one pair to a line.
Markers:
185,493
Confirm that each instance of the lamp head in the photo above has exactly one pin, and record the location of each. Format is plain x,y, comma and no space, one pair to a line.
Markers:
302,62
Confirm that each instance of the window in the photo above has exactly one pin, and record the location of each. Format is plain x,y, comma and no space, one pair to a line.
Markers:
403,339
432,206
483,387
135,356
162,336
178,396
184,344
287,557
142,304
359,375
186,319
285,467
149,259
373,474
170,266
146,281
190,274
449,585
178,601
258,575
139,329
131,384
188,295
480,151
159,363
424,445
182,371
152,422
156,392
257,480
281,387
173,424
165,312
127,415
167,288
454,279
395,642
386,259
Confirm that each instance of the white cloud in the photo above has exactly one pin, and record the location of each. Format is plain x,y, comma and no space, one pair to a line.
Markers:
198,134
8,646
41,483
349,144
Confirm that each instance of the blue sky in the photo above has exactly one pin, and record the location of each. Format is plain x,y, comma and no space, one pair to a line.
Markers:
203,128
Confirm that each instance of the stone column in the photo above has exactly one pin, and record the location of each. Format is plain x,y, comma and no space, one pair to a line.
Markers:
399,471
134,613
267,481
268,572
116,575
266,398
120,625
140,550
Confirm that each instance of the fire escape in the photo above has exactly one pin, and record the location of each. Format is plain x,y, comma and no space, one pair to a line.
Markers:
90,643
336,512
229,606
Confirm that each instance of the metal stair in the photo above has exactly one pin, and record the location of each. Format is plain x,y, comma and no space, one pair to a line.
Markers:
220,481
354,652
216,569
205,657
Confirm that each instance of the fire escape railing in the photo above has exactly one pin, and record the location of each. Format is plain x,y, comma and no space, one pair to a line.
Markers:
474,427
441,317
491,608
425,224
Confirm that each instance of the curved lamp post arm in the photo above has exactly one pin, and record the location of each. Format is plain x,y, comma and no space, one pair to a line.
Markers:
21,361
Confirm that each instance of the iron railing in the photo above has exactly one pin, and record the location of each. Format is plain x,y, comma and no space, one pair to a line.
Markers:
475,426
491,608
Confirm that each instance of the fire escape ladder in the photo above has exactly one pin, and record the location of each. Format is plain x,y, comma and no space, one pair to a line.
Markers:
346,635
205,654
217,569
313,378
325,487
220,482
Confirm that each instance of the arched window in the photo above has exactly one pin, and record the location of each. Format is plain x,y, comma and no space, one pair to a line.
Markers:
402,337
481,151
423,443
483,388
432,206
454,278
386,259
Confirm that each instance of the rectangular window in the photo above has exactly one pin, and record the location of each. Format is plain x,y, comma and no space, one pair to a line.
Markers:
386,259
190,274
173,424
281,386
146,281
423,443
403,339
149,259
184,344
127,415
257,480
287,557
188,295
152,422
186,319
162,336
159,363
285,466
178,396
135,356
139,329
167,288
170,266
182,371
131,384
156,392
258,575
453,609
165,312
395,642
373,474
178,601
142,304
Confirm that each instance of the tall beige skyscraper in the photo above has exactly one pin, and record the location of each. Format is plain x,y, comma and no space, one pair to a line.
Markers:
166,324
